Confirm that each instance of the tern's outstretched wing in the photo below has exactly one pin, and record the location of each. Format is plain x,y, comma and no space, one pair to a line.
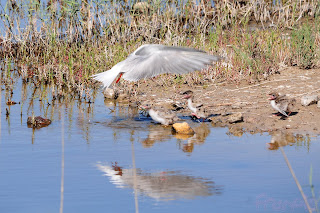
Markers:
151,60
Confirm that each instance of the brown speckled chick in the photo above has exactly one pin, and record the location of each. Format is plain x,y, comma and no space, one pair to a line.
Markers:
197,109
281,103
163,116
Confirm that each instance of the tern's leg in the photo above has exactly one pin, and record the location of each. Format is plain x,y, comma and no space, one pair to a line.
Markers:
195,115
277,114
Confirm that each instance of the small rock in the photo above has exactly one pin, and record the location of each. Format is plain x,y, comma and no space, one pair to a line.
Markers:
318,105
235,118
309,99
109,93
38,122
183,128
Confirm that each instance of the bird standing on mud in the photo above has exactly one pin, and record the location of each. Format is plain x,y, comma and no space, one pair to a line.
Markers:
281,103
150,60
196,108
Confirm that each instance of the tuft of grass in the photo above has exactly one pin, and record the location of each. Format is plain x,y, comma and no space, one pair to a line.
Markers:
303,44
62,43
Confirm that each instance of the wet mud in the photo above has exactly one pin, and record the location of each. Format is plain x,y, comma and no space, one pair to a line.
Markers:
244,106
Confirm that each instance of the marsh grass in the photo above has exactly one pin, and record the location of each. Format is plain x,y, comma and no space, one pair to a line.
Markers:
62,43
303,44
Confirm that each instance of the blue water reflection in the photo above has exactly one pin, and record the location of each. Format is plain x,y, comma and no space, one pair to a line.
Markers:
116,160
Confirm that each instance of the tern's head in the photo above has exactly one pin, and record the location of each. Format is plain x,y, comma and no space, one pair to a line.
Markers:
145,106
187,94
273,95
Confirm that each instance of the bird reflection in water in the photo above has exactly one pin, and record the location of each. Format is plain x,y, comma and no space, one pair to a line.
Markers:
280,139
157,133
166,185
201,133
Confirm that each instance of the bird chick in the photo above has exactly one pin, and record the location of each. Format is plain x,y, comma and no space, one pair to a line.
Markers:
198,109
160,115
281,103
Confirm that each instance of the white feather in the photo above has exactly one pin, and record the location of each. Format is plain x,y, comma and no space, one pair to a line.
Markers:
150,60
276,107
155,116
190,105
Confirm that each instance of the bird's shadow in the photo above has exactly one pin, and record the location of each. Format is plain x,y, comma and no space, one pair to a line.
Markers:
202,120
283,117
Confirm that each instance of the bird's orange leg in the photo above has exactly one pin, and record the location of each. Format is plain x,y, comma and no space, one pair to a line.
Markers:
276,114
194,114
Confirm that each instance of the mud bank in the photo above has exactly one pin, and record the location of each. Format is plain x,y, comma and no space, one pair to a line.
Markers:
251,100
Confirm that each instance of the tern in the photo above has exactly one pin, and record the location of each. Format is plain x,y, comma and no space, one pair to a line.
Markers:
163,116
198,109
281,103
150,60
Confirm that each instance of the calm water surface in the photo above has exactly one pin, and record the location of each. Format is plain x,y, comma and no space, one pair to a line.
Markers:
104,157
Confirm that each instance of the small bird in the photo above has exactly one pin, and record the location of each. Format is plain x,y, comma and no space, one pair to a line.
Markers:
150,60
281,103
198,109
165,117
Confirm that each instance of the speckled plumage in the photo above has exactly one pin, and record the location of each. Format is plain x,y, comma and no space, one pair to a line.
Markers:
198,109
281,103
164,116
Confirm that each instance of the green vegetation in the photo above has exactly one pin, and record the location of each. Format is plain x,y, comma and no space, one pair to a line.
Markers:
65,42
303,43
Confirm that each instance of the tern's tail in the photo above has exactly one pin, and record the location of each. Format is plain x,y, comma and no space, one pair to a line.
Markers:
106,77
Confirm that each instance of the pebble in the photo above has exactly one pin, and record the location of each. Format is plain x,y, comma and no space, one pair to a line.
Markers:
309,99
109,93
183,128
235,118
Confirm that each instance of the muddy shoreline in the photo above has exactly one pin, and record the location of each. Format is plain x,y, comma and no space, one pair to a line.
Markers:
250,100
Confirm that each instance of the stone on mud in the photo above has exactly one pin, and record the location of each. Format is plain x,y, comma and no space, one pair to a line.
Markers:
109,93
235,118
183,128
309,99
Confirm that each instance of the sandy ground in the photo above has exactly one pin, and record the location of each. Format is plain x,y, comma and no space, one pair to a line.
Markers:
251,100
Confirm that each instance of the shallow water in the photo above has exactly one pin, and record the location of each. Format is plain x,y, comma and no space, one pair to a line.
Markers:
104,157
